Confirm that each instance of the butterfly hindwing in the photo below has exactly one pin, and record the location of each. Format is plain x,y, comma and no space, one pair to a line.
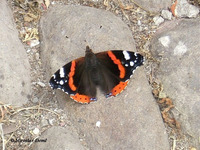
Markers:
86,89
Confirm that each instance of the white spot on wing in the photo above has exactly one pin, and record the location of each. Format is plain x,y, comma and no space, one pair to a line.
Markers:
62,73
61,82
126,65
131,63
126,55
135,54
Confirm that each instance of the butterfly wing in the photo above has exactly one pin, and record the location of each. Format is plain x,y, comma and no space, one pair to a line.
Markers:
117,68
75,81
60,79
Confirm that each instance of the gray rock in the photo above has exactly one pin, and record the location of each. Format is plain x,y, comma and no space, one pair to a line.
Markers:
58,138
180,72
129,121
153,6
166,14
184,9
15,84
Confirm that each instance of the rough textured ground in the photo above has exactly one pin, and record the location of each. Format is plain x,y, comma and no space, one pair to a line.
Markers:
125,118
43,113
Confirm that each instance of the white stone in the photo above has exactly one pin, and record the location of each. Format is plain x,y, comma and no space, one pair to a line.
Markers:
41,84
51,121
34,43
98,124
28,50
184,9
166,14
158,20
139,23
36,131
165,41
180,49
37,56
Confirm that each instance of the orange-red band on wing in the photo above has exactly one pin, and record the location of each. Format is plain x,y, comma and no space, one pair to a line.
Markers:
119,88
71,74
81,98
118,63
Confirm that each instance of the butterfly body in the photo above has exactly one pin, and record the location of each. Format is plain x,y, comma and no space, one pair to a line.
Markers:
109,70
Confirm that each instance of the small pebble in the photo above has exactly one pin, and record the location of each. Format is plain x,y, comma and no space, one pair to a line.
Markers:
98,124
158,20
44,122
41,84
34,43
51,121
139,23
28,50
166,14
37,56
36,131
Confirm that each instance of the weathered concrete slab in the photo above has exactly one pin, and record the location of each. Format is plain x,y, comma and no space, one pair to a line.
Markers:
129,121
178,43
15,83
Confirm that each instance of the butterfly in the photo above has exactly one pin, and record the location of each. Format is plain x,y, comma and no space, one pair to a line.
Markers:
109,70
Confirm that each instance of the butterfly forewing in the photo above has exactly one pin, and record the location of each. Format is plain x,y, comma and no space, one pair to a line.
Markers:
130,61
60,79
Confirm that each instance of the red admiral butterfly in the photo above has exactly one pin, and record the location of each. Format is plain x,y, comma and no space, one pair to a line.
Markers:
109,70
